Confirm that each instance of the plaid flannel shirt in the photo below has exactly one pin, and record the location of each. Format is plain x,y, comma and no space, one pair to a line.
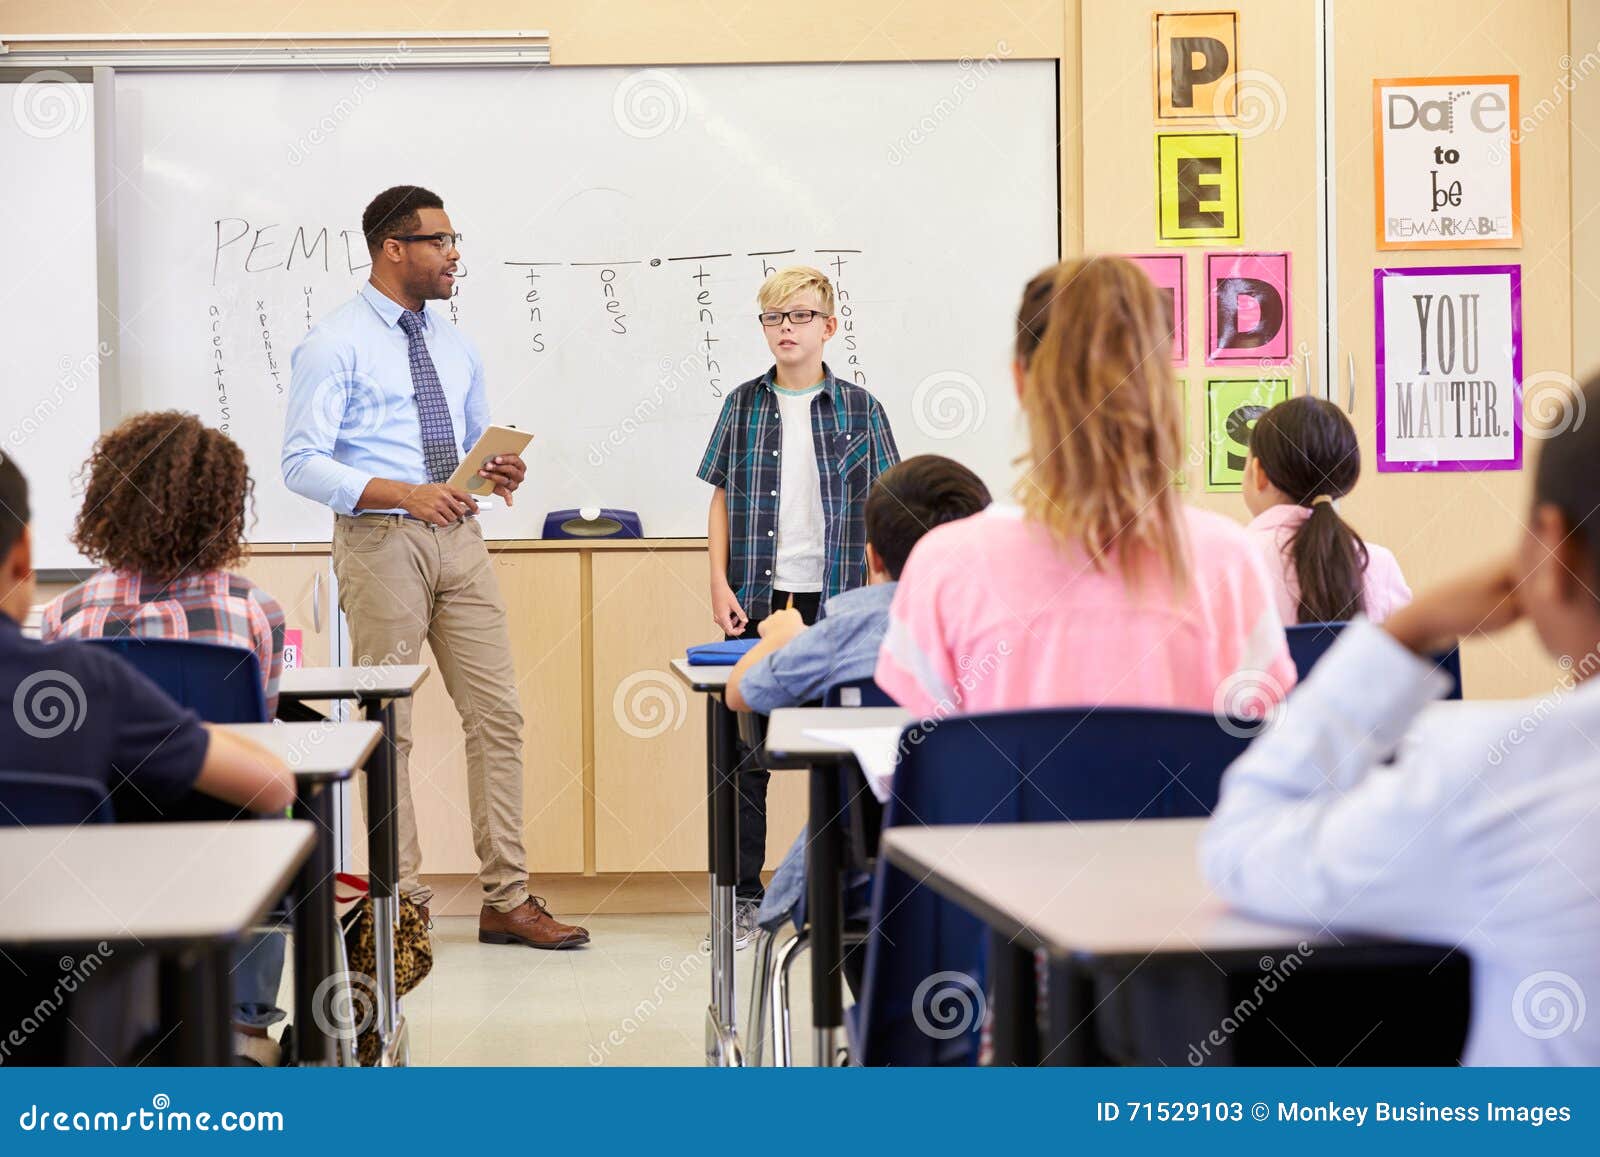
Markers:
854,444
217,607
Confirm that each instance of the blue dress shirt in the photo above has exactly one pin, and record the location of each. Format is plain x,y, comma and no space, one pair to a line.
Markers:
352,415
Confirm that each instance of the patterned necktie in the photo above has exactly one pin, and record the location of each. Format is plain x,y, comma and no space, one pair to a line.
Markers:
438,432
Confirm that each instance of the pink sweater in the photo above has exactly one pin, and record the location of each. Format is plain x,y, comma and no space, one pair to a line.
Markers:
1385,587
991,615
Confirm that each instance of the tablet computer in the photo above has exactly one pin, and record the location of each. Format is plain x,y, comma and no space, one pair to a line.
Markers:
494,441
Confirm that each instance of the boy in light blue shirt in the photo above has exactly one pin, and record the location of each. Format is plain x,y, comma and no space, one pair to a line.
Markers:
794,664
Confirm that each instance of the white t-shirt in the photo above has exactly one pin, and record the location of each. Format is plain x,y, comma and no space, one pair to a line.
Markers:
799,563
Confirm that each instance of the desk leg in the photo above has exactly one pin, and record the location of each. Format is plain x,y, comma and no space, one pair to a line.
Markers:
197,1004
383,855
1015,1002
825,913
314,966
1070,1037
722,806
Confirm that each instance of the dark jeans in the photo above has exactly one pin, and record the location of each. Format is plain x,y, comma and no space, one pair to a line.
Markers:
752,779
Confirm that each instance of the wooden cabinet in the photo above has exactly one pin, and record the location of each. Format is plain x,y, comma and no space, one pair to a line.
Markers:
593,629
544,614
302,584
649,729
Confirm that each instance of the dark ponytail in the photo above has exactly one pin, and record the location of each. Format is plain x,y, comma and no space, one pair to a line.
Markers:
1308,449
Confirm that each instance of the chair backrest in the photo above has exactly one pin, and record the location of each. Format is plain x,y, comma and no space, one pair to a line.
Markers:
1309,641
856,693
1013,767
32,798
220,684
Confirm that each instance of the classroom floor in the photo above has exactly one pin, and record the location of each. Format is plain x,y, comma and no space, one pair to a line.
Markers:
636,996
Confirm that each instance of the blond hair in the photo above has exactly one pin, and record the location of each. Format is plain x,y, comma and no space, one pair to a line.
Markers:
1104,424
787,284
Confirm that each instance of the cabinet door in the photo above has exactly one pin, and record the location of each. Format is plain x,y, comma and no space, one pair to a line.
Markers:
302,585
544,615
649,729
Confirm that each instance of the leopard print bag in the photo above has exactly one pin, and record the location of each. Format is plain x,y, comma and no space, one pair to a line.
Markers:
413,957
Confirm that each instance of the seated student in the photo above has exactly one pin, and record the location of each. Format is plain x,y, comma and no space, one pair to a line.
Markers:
1101,587
1303,455
1488,835
164,516
77,710
794,664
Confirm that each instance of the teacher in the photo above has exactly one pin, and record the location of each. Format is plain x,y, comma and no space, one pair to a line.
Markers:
385,398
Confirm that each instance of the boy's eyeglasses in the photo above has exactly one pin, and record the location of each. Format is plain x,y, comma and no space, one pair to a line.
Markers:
775,317
443,242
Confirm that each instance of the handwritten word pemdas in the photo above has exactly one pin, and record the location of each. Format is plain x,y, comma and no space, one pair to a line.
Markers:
309,245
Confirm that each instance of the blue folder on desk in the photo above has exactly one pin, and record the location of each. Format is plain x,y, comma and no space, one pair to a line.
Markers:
720,654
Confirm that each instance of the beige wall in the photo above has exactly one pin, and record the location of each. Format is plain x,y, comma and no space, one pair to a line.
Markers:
1585,185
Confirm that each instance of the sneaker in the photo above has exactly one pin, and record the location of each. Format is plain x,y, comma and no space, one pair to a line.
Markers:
744,926
256,1051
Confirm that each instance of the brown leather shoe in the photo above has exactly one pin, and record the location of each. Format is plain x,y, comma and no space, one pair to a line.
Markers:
529,923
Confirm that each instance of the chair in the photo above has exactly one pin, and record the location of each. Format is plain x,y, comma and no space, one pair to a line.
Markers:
220,684
769,992
1012,767
857,693
1309,641
33,799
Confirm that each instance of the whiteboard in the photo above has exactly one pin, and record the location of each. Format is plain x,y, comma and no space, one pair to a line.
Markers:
616,225
50,393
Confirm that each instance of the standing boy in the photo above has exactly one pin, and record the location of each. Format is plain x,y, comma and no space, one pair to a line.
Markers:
792,458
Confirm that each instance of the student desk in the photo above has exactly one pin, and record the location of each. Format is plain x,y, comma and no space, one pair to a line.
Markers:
789,747
190,891
319,755
375,689
1108,893
722,824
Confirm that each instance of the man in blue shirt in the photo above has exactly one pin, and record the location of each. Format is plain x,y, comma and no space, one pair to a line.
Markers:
795,664
386,397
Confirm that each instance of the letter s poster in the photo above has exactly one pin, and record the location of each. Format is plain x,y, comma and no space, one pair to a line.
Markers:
1449,162
1449,353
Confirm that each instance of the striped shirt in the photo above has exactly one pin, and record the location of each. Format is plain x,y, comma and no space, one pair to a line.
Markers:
215,607
853,443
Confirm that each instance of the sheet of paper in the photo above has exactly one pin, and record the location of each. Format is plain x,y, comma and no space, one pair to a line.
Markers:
877,750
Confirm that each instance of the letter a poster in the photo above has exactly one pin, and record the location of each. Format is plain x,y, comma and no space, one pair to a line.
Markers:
1449,352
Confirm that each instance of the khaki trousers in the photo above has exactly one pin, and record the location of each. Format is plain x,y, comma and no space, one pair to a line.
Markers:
402,581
